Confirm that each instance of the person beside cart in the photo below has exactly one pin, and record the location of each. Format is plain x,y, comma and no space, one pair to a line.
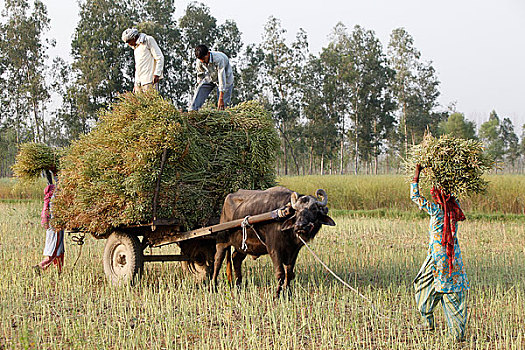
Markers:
54,245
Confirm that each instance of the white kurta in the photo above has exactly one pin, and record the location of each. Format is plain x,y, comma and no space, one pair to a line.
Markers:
149,60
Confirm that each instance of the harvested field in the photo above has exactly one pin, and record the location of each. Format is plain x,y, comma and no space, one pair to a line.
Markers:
81,310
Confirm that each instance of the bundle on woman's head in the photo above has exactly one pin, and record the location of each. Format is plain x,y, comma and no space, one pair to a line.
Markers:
455,166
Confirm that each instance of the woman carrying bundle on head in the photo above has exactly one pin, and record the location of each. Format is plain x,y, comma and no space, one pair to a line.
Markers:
54,247
442,278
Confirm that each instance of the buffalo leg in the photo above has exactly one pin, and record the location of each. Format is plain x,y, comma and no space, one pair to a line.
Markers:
219,257
288,269
238,258
279,272
229,266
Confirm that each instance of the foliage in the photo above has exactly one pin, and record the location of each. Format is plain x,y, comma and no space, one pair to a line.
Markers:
34,158
415,87
452,164
108,176
22,68
457,126
499,137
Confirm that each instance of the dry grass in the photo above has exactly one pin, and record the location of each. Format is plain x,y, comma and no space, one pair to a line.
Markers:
80,310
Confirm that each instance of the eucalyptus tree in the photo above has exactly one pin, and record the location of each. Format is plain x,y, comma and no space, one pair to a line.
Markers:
490,134
248,81
415,87
510,140
321,128
23,67
102,64
371,103
281,70
334,61
522,145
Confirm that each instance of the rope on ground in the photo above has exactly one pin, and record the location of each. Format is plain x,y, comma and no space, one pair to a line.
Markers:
372,306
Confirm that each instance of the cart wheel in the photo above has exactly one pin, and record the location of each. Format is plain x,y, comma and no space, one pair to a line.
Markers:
123,258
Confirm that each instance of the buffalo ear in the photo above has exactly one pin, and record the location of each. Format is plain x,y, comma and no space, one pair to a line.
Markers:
326,220
288,224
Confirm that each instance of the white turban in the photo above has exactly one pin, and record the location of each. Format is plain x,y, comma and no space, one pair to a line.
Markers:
129,34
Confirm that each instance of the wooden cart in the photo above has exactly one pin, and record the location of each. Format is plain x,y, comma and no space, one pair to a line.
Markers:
124,256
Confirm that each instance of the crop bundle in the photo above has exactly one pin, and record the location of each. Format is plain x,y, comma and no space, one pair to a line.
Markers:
108,178
452,164
33,158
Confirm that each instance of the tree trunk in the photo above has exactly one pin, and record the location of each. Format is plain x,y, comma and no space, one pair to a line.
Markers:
311,159
285,159
356,149
405,122
322,163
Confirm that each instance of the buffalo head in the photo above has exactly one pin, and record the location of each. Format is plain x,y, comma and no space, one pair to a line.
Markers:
310,213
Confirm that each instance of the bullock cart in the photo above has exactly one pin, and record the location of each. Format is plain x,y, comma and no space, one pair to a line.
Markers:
124,256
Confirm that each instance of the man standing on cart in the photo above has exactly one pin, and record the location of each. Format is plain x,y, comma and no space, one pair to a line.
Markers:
149,60
213,70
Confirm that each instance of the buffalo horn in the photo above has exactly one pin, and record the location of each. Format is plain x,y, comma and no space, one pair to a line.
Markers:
293,199
321,193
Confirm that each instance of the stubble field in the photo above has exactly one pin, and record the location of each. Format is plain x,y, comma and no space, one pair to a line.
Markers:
168,310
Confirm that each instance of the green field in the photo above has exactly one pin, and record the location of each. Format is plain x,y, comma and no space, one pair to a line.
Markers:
168,310
505,193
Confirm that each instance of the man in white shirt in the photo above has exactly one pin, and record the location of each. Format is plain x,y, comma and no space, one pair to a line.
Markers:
213,71
149,60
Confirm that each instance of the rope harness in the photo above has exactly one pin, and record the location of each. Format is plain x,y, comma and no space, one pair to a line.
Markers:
245,225
279,214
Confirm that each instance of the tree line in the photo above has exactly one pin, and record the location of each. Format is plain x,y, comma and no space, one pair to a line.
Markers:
355,107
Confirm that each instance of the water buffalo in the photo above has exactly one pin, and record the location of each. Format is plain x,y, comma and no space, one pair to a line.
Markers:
279,239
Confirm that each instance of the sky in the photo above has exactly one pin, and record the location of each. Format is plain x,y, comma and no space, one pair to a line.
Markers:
477,47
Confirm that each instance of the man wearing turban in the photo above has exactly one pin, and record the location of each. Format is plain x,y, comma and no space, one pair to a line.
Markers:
149,60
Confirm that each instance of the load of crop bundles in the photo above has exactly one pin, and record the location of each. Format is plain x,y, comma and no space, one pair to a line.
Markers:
108,177
34,158
451,164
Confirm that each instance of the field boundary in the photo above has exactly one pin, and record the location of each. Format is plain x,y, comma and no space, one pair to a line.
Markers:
410,215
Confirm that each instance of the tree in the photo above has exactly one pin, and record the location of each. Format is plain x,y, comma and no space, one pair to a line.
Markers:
522,144
248,80
510,141
23,56
281,69
321,131
371,104
102,64
457,126
490,134
415,87
336,86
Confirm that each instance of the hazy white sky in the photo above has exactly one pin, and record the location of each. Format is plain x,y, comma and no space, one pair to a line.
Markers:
477,46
